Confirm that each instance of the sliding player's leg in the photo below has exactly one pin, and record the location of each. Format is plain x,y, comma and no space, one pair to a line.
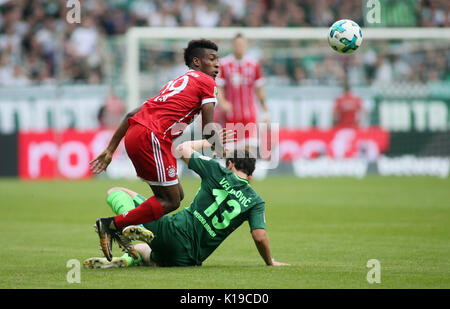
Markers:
101,262
165,200
145,252
153,162
122,200
125,260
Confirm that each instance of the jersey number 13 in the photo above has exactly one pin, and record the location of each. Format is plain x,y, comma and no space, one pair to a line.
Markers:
221,196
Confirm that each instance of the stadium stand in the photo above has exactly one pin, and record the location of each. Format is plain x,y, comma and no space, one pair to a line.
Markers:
37,45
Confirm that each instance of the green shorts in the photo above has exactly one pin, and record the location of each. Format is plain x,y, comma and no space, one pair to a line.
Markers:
168,246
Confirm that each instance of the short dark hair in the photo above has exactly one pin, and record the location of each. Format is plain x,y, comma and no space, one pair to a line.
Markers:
238,36
196,48
243,161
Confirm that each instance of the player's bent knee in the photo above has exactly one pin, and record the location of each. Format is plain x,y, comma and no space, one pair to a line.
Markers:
181,195
170,206
113,189
180,192
144,250
173,206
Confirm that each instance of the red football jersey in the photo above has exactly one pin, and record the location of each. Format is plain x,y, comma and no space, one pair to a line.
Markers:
347,109
174,108
239,79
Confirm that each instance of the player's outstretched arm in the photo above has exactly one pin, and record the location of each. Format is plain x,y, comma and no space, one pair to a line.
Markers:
101,162
262,244
185,150
210,129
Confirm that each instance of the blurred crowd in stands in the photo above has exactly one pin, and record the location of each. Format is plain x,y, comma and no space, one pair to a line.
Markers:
39,46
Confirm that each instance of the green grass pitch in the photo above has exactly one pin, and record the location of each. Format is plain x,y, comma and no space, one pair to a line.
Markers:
327,229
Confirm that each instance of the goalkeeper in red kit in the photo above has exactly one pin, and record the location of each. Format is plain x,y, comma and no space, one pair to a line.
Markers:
149,131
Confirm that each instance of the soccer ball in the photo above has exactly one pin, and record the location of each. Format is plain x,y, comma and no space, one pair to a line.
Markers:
345,36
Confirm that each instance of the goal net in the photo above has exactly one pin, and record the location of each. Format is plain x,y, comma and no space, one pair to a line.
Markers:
400,76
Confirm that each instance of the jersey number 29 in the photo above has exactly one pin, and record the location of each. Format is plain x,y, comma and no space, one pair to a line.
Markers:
170,89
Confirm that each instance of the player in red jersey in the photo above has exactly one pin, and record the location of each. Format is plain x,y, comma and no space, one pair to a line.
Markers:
149,131
240,82
348,109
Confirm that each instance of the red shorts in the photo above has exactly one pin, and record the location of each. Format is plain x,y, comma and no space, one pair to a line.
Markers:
152,157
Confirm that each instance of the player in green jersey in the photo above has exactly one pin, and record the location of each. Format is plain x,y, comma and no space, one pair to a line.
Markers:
224,201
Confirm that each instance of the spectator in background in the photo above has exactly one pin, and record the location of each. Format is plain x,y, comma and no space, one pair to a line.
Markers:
205,15
384,72
112,111
84,39
6,70
237,8
162,18
84,53
10,40
279,75
299,75
20,77
44,76
30,31
296,16
255,14
45,37
322,15
140,10
434,13
226,19
348,109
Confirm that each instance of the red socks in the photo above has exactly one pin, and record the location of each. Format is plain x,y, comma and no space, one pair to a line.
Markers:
148,211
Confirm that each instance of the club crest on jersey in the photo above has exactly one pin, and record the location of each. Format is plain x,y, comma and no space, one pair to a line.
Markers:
171,171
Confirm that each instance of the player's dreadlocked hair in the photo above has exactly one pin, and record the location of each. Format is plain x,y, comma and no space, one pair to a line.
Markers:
243,161
195,48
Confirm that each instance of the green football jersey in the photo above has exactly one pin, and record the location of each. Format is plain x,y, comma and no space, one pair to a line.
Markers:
223,202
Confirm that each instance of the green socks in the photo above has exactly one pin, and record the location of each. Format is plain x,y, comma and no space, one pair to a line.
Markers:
131,261
120,202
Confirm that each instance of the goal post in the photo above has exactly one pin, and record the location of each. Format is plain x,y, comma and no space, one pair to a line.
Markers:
137,34
401,75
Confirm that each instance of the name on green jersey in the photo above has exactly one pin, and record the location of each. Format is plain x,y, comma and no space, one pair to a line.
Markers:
205,224
243,200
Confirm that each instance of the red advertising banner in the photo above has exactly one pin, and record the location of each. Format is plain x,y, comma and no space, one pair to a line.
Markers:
335,143
67,154
64,154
